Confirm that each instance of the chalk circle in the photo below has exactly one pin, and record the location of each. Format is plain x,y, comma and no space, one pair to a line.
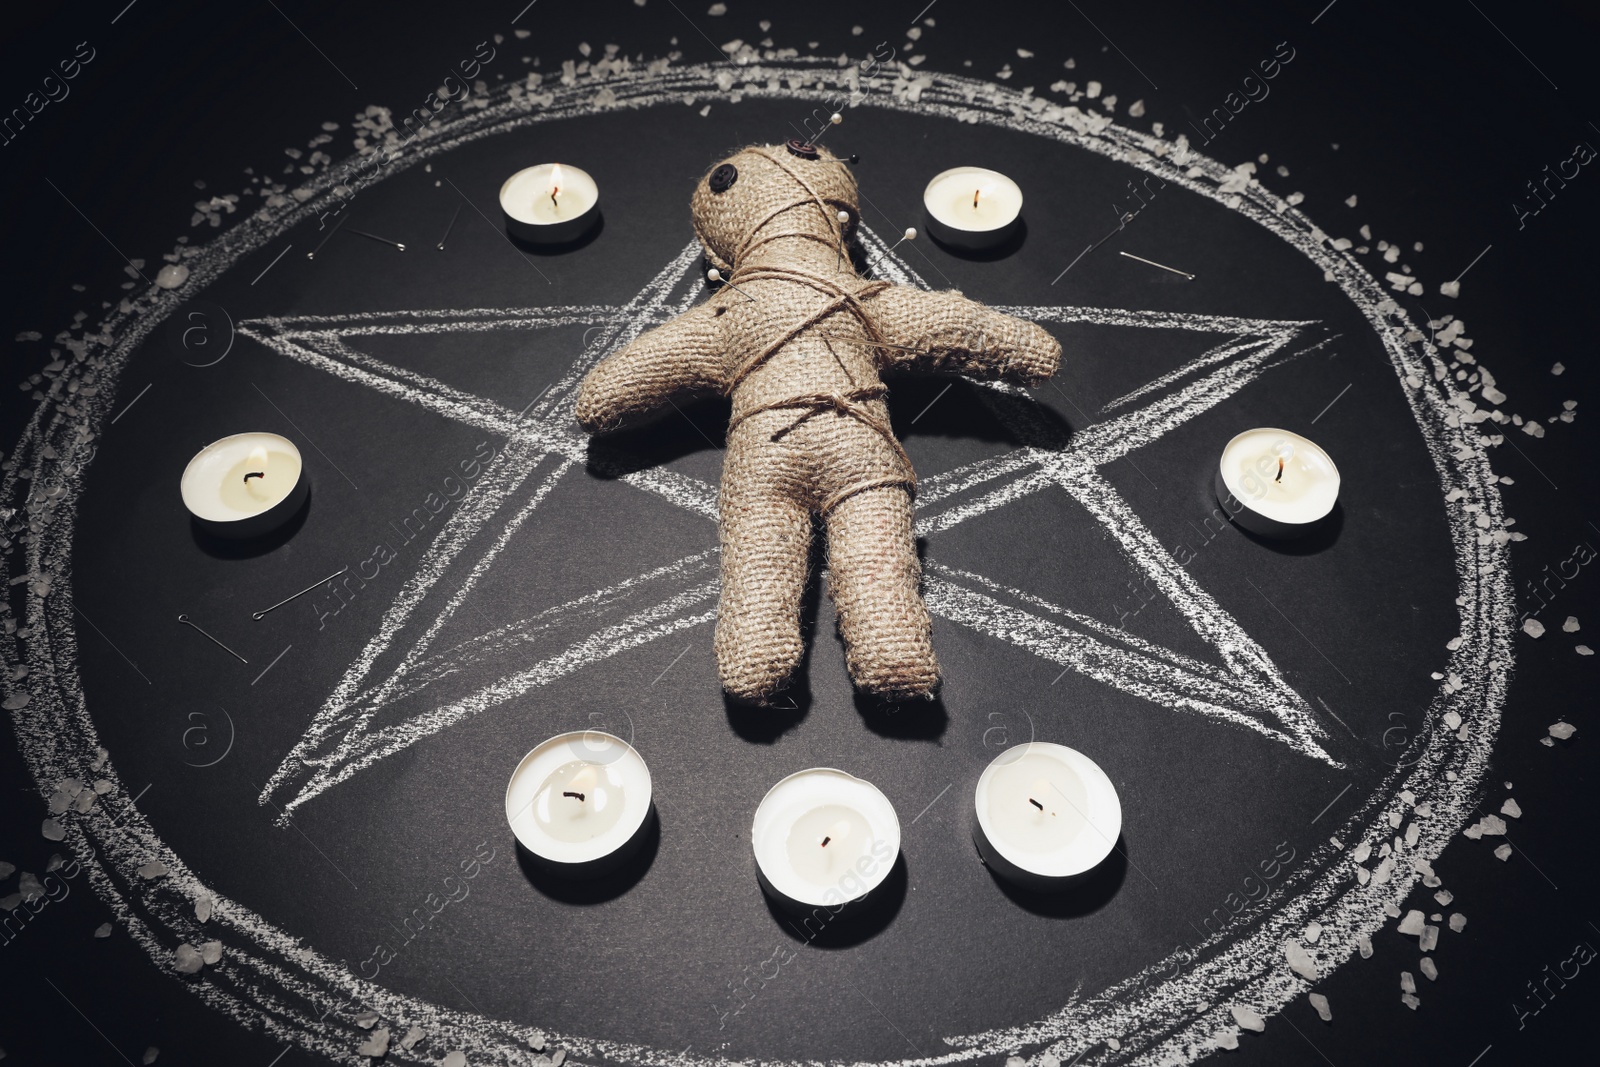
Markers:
1156,1019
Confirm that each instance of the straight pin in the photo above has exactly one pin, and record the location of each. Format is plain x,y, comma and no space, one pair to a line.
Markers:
1163,266
833,120
375,237
844,220
450,227
313,253
715,275
185,620
909,235
262,613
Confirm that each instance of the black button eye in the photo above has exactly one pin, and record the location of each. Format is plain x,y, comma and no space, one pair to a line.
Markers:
803,149
723,177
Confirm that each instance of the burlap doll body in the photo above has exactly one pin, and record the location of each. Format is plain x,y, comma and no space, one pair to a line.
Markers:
797,339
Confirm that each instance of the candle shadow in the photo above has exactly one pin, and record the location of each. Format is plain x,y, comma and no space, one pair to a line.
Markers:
854,924
1005,248
562,248
1321,538
606,884
1085,896
248,547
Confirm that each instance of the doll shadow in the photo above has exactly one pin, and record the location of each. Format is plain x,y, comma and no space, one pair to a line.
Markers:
1081,898
967,410
696,426
562,248
1010,246
765,724
905,720
856,923
596,890
248,548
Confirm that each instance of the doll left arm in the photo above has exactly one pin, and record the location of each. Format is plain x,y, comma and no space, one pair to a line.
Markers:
947,332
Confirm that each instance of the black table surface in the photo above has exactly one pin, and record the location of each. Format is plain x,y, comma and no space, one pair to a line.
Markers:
1431,124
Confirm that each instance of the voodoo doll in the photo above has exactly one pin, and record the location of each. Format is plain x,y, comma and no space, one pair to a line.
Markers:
796,338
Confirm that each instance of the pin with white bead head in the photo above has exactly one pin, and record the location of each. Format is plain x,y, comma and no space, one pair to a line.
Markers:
833,120
909,235
714,276
844,220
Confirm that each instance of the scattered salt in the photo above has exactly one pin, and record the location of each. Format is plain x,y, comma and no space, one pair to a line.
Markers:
1502,853
103,930
1511,808
188,960
1408,983
1313,931
1429,971
1571,625
1458,922
1563,730
1300,961
1412,923
1320,1002
1533,627
1248,1017
376,1045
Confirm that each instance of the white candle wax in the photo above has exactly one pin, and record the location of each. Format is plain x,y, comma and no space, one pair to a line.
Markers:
824,838
1046,813
1276,483
244,485
971,207
549,204
578,799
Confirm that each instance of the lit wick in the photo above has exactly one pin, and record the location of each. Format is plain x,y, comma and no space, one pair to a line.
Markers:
555,187
1035,803
572,794
254,474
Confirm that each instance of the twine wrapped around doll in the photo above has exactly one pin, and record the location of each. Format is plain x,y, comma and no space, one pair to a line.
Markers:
797,340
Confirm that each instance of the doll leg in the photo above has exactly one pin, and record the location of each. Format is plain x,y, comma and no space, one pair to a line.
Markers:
766,542
873,573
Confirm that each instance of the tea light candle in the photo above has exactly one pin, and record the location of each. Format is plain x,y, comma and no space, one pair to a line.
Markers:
550,204
1276,483
580,801
972,208
245,485
824,838
1047,814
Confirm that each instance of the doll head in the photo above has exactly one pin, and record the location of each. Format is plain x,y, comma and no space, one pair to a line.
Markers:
765,190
